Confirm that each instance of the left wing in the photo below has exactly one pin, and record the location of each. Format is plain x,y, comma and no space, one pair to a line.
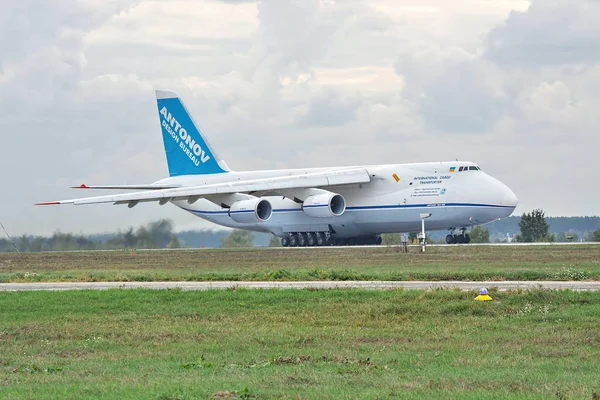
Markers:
193,193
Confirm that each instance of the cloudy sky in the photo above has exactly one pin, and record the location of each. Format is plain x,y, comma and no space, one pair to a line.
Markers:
510,84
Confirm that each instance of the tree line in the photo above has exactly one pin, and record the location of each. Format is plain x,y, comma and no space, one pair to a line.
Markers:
155,235
532,227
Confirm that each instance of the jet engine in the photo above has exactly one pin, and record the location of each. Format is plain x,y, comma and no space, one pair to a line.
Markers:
324,205
251,211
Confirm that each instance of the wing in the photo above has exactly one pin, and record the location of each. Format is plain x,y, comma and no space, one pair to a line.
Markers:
193,193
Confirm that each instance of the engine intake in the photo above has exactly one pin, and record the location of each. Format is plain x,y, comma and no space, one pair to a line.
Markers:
324,205
251,211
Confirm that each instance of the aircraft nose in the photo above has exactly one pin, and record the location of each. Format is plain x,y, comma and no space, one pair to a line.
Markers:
509,199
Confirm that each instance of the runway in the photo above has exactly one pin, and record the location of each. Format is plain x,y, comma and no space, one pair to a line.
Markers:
371,285
351,247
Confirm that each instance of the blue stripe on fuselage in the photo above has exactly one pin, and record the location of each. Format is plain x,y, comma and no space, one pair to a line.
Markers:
361,208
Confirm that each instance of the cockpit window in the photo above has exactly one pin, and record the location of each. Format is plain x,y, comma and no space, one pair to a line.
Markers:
469,168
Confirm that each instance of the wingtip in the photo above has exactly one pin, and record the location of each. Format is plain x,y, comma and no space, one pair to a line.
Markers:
82,186
47,203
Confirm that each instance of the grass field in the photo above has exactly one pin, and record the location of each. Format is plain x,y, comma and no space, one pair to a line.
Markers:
580,262
132,344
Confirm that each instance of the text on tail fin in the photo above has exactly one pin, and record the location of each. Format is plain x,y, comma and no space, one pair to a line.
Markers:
188,153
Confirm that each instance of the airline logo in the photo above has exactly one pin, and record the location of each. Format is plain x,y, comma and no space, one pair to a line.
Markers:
452,169
180,135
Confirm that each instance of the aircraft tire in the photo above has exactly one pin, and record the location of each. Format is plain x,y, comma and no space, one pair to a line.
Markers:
293,240
320,239
467,238
302,239
310,239
285,241
450,239
379,240
460,239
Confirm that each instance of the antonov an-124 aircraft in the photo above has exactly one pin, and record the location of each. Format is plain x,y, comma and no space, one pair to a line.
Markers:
313,206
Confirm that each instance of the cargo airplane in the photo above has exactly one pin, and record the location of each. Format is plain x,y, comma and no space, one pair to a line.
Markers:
313,206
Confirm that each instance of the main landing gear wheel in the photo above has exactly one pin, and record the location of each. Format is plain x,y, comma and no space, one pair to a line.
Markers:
467,238
460,239
293,240
320,239
285,241
302,239
310,239
450,239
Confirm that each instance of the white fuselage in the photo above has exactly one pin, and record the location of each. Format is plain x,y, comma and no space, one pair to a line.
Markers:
386,204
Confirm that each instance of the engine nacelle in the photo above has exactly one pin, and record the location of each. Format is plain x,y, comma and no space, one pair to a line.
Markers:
324,205
251,211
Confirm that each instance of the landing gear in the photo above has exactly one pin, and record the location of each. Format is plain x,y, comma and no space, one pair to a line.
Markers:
311,239
321,239
302,240
463,238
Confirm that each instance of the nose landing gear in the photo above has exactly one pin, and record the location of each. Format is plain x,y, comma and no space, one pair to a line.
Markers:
463,238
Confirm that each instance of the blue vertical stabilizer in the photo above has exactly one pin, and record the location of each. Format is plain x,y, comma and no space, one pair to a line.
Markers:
188,153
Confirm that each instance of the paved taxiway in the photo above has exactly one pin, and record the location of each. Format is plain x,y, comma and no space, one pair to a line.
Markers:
374,285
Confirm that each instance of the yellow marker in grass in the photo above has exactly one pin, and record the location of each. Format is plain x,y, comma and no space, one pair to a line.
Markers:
483,295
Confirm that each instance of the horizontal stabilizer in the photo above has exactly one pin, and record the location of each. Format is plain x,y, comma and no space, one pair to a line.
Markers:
127,187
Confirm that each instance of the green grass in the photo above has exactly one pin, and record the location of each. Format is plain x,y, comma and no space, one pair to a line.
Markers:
298,344
580,262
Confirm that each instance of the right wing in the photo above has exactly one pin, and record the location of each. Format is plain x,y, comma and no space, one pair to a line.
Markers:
193,193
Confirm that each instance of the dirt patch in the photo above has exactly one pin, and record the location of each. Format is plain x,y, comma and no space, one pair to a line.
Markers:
224,395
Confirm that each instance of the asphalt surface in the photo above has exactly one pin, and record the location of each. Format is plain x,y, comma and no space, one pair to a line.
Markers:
373,285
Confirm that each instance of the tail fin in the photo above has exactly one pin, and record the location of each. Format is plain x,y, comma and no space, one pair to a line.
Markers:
188,153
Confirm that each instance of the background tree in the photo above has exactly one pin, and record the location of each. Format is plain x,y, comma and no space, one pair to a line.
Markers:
160,232
413,238
174,243
239,238
479,235
389,239
534,227
595,236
